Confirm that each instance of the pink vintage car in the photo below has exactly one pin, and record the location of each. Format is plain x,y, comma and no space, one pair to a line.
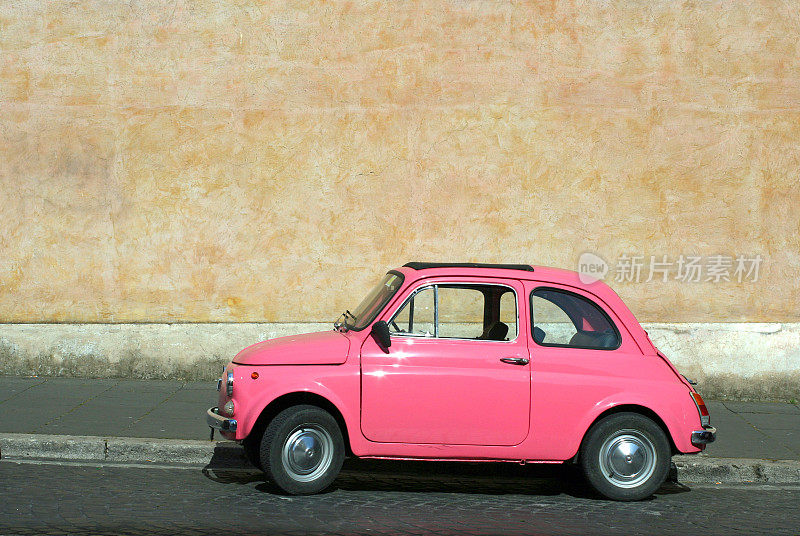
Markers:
472,362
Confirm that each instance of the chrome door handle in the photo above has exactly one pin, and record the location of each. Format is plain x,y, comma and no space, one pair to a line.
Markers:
515,360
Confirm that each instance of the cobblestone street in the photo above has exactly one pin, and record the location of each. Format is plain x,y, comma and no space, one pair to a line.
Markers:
89,499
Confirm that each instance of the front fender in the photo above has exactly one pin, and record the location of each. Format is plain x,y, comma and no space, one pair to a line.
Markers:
338,384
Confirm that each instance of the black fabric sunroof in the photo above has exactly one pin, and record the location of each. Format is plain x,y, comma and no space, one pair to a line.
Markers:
424,265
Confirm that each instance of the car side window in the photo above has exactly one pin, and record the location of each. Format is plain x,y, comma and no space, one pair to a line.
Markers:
565,319
416,317
458,311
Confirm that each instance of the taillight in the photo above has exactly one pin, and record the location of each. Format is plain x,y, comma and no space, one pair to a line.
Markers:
705,418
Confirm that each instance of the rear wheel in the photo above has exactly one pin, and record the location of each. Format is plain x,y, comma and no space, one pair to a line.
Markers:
626,456
302,450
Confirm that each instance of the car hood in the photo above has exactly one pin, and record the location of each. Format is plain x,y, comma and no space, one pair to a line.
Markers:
323,348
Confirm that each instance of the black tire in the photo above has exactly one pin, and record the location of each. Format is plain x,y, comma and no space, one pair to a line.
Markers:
626,456
302,450
252,449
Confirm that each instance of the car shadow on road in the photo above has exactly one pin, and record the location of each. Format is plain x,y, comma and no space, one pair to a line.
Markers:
489,478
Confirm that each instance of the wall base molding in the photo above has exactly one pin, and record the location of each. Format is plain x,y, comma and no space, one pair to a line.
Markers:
744,361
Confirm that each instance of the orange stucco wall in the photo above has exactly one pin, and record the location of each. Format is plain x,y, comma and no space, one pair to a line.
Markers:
266,161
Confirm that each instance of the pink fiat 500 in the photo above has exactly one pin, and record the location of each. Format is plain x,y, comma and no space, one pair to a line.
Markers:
472,362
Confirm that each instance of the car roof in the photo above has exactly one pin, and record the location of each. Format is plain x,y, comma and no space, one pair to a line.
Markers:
417,270
428,265
414,271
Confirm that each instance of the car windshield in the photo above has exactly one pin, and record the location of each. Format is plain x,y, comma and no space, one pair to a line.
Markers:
372,304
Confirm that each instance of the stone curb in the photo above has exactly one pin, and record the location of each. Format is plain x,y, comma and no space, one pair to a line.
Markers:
121,449
227,454
703,469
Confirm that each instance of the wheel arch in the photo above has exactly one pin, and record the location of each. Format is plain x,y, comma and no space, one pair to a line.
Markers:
629,408
297,398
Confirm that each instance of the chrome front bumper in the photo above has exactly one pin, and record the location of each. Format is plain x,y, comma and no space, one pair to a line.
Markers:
704,437
218,422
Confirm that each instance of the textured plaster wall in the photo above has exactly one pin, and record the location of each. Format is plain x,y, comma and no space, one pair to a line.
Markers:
265,161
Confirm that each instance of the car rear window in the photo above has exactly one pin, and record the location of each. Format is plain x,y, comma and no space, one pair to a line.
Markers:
565,319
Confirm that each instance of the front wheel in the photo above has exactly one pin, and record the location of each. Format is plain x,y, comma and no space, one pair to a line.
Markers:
626,456
302,450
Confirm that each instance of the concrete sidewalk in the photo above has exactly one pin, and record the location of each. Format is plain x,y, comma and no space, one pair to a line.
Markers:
107,408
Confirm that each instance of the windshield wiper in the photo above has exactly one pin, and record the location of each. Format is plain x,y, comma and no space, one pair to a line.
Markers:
341,322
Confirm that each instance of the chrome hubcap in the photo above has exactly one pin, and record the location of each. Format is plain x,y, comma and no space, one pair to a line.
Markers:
627,458
307,452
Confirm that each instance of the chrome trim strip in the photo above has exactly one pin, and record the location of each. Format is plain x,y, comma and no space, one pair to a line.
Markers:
435,311
229,384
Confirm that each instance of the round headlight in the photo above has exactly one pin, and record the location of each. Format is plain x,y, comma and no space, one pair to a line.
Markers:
229,407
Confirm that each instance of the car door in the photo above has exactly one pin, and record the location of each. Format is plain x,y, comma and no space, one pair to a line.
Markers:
453,374
581,354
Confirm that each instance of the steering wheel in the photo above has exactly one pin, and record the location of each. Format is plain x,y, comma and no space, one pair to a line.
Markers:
394,326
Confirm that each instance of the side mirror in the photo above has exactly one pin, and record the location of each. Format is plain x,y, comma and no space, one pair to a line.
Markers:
380,330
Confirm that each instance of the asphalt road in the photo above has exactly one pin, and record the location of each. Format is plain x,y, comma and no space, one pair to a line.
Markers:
369,498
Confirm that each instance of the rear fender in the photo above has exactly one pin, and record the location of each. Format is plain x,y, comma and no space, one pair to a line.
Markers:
672,416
